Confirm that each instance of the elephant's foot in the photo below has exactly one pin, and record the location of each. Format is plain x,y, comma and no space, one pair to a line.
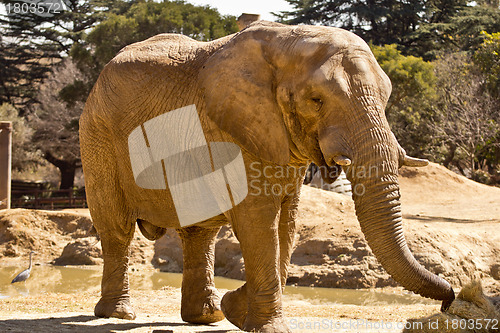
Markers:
118,308
201,308
275,325
235,306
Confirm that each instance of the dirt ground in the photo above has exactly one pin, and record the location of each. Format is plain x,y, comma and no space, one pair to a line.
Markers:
451,224
159,312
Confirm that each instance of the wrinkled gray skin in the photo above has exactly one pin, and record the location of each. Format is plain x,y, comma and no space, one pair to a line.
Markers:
286,95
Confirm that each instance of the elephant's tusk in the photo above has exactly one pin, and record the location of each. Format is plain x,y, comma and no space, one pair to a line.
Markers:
415,162
342,160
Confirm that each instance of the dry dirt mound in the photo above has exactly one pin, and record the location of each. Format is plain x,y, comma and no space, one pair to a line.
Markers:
61,237
451,225
435,193
228,258
46,232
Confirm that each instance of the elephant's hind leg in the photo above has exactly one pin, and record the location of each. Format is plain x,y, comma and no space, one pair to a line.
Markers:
115,298
112,221
200,299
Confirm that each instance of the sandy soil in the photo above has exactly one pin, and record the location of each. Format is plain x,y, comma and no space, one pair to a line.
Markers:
159,312
451,224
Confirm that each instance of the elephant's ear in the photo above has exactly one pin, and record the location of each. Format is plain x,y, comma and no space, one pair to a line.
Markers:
239,95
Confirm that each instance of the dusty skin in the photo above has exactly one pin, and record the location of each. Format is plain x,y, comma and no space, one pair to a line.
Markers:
462,211
285,95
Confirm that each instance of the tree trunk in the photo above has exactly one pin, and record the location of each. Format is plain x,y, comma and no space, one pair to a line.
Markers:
66,168
67,178
451,154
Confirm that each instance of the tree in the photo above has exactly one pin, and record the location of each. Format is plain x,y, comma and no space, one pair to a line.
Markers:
487,58
23,67
460,31
410,107
377,21
24,154
468,125
423,28
34,44
56,102
143,20
33,41
56,123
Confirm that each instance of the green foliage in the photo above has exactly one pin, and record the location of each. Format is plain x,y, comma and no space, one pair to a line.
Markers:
377,21
413,92
144,19
461,31
487,58
113,34
31,44
149,18
73,92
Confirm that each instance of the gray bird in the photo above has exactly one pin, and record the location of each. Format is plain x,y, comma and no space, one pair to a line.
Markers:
24,275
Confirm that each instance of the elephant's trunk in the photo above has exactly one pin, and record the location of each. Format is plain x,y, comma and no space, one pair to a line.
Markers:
379,214
377,201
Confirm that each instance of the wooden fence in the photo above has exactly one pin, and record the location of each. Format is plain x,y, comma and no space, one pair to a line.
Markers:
48,199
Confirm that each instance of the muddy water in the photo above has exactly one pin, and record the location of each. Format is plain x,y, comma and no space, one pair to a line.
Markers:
72,279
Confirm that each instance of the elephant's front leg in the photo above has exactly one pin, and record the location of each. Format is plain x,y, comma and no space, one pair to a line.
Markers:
286,232
200,299
235,303
115,298
257,232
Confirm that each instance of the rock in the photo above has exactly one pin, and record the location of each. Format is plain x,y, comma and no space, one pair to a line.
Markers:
470,312
495,271
168,252
228,258
84,251
10,251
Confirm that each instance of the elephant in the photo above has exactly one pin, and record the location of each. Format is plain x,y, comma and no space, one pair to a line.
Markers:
278,97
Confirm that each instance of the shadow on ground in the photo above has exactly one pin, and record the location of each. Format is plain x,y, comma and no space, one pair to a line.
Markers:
84,323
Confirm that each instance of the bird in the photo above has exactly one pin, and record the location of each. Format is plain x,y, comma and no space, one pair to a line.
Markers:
24,275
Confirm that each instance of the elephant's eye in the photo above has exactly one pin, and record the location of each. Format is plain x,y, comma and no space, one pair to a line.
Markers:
317,102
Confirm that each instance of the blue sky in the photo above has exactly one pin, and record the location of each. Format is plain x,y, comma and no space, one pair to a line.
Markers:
236,7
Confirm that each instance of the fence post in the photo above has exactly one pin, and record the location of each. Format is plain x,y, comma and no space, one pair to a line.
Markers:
5,163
